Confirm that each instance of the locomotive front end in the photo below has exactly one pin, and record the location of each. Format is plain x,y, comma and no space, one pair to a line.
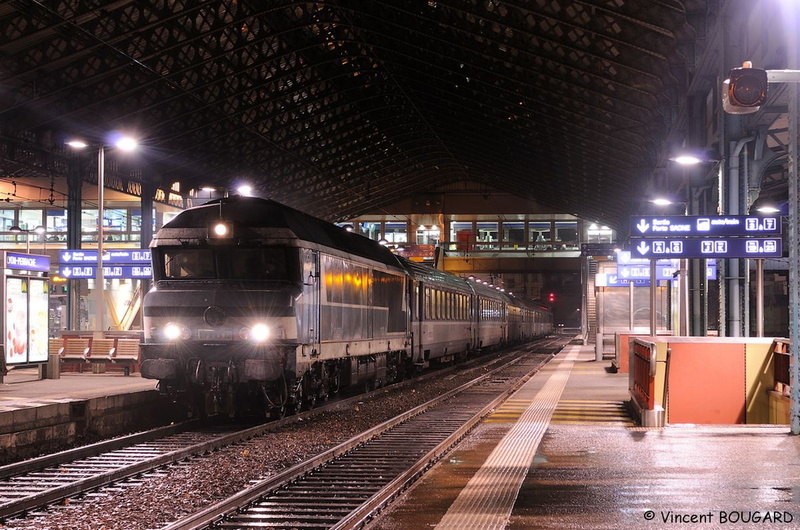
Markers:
221,320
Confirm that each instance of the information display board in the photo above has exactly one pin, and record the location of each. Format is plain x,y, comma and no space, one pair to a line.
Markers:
705,226
718,248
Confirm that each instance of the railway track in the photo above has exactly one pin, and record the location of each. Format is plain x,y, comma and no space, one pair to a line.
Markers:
347,485
30,486
35,483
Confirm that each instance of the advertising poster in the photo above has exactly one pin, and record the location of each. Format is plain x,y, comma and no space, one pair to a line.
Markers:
38,308
16,320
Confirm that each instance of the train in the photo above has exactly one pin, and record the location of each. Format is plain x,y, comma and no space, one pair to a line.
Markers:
259,308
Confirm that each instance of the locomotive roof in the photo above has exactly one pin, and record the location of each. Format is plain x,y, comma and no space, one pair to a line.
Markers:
254,212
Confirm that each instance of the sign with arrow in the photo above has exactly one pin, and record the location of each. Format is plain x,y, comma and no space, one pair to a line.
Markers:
73,272
717,248
708,226
125,255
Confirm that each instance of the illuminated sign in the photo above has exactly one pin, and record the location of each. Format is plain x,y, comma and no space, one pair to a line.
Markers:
663,271
72,272
707,248
708,226
124,256
27,262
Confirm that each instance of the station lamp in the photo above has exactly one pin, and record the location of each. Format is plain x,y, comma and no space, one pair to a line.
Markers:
123,143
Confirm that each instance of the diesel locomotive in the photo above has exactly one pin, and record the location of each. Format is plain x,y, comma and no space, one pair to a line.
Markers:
259,308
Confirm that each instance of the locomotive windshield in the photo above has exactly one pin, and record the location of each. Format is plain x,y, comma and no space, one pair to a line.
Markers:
262,263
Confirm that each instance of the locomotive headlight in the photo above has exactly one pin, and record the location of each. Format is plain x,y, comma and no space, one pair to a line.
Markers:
258,333
173,331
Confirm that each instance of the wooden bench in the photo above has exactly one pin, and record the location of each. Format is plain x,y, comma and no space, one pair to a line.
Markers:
98,354
75,350
126,353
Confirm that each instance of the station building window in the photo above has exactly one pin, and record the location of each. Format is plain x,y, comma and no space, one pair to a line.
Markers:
567,235
599,234
514,235
395,233
370,230
7,221
539,234
487,235
56,224
428,235
30,218
461,234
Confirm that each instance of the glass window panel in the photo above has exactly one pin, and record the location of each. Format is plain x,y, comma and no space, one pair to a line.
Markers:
428,235
567,235
514,235
370,230
115,220
487,235
396,232
6,222
539,234
30,219
188,263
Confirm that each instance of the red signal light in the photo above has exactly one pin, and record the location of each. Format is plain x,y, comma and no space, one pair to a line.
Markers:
551,297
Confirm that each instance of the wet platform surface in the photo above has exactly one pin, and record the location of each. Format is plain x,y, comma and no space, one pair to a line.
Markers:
23,388
592,468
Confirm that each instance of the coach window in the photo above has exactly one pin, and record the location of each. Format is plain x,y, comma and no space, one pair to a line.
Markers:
487,235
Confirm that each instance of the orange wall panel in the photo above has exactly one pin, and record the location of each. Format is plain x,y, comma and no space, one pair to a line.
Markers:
706,383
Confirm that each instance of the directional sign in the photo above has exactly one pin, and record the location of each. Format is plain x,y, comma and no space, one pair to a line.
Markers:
710,226
126,255
663,272
72,272
707,248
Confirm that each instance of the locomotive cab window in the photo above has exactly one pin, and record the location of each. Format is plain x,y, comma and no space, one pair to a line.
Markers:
263,263
189,263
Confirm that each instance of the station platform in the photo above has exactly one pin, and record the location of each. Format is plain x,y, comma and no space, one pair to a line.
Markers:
23,388
563,453
40,415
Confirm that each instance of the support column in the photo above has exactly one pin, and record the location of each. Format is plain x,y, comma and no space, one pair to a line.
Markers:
74,185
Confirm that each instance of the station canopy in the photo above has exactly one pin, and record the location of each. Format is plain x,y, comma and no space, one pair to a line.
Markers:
338,108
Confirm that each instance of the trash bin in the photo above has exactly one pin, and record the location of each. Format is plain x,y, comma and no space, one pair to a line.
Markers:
53,367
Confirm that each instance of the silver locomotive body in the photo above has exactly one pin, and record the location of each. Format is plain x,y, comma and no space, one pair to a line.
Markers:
255,306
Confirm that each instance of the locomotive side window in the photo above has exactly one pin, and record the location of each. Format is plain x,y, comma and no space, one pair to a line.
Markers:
189,263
